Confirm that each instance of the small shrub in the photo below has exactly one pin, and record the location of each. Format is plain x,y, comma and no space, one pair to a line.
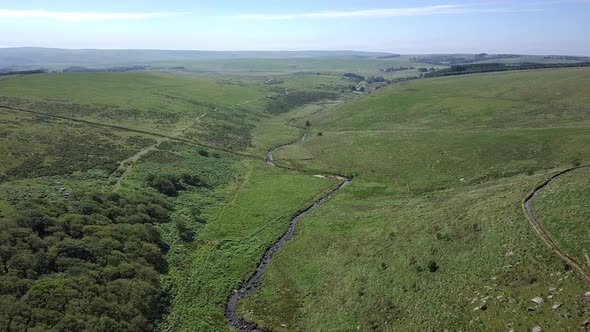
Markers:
164,186
170,184
432,266
203,153
184,231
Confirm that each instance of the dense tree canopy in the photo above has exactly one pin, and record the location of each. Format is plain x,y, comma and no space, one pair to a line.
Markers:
91,263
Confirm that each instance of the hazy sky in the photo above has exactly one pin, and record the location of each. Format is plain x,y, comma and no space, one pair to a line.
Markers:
518,26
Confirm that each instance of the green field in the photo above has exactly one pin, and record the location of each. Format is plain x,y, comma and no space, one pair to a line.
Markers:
156,183
441,167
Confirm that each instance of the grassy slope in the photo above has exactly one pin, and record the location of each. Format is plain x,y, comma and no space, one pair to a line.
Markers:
247,205
158,103
442,168
285,66
252,212
531,99
564,210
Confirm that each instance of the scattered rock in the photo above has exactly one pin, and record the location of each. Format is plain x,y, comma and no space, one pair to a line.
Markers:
532,309
284,325
588,295
552,289
586,323
536,328
538,300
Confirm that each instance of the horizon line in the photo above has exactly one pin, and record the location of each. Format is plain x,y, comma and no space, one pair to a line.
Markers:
281,51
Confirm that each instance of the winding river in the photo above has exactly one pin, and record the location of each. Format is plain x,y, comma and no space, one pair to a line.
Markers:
255,281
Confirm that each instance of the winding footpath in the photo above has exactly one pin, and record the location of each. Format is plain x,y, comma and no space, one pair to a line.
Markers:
542,232
255,281
126,165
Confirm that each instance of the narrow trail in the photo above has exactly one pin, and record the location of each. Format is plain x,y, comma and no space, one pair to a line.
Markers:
542,232
255,281
126,165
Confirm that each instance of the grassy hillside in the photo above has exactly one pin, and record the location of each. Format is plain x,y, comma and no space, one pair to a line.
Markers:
157,183
431,234
190,107
564,211
530,99
113,181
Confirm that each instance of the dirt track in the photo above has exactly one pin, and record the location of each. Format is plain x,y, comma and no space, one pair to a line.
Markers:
540,230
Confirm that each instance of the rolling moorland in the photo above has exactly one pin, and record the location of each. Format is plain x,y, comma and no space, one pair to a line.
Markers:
143,200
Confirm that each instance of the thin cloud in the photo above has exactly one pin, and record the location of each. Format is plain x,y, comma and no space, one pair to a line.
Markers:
78,16
387,12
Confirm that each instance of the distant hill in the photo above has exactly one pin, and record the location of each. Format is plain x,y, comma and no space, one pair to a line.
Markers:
53,58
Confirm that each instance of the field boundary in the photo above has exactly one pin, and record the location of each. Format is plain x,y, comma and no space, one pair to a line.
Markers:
542,232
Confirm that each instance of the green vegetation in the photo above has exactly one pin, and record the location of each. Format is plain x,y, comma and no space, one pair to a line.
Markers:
89,263
36,146
189,107
286,102
103,188
430,235
495,101
140,201
563,209
250,214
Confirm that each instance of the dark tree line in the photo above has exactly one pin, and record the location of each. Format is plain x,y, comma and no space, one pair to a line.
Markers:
494,67
355,77
170,184
283,103
444,59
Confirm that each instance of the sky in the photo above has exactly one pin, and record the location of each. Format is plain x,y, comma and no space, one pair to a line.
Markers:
407,27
